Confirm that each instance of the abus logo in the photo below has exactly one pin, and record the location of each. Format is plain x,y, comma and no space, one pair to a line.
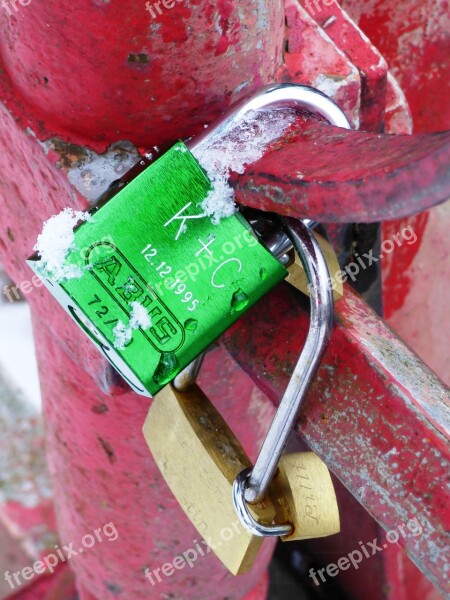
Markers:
124,284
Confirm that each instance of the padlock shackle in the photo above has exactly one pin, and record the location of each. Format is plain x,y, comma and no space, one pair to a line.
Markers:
284,95
188,376
321,323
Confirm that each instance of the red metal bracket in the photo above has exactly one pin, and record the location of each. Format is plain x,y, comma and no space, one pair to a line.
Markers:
349,176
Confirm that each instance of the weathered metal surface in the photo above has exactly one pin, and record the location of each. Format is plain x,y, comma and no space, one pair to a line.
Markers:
397,116
377,416
312,58
151,102
371,66
414,39
132,81
335,175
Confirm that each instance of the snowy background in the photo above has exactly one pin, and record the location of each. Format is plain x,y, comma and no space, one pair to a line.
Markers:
17,355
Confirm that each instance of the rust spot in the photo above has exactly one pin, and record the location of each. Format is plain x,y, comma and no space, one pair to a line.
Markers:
108,450
99,409
70,155
141,58
10,234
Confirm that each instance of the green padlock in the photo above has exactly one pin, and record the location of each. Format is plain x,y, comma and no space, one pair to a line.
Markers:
167,282
156,281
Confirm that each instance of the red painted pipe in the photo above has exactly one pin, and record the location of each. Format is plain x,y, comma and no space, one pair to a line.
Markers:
92,73
95,72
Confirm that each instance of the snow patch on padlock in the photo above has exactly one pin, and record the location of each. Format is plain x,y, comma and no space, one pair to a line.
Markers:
55,243
139,318
243,145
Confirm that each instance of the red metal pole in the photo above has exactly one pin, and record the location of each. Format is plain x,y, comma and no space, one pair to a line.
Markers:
92,73
97,72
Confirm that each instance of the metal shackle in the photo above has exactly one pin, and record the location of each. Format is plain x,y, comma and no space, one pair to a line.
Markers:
281,95
252,484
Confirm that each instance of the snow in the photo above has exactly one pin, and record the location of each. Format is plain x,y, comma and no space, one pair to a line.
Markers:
139,318
122,335
56,241
17,354
242,146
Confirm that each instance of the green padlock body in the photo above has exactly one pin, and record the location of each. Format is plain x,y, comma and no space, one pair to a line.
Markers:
152,244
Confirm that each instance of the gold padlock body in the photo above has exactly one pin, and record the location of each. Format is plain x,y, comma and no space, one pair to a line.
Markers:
199,457
297,276
303,495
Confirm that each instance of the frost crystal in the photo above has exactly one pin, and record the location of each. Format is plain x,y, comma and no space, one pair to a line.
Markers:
242,146
56,241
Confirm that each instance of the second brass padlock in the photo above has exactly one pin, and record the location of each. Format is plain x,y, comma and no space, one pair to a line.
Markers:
199,458
303,495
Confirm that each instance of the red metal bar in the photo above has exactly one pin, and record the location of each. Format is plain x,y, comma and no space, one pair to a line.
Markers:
376,414
348,176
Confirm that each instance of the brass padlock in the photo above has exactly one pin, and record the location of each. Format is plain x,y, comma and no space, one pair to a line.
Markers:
297,276
303,495
200,457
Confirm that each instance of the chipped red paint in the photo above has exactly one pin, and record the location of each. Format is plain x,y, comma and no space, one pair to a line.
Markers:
371,65
312,58
413,37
